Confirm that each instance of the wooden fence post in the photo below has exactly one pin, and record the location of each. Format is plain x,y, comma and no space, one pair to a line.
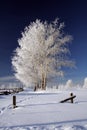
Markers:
14,101
71,94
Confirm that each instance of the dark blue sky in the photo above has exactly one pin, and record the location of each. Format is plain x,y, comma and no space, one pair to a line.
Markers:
15,15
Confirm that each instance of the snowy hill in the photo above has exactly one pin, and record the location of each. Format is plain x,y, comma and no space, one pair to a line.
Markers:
43,111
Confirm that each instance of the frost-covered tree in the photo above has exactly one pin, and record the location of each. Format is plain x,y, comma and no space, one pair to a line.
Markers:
42,52
85,83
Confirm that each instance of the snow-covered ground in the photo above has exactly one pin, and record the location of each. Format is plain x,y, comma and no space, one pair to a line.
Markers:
43,111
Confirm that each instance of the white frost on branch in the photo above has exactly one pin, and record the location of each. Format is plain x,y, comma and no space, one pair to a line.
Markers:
42,51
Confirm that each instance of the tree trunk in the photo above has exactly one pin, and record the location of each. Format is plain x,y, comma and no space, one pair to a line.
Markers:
36,87
43,83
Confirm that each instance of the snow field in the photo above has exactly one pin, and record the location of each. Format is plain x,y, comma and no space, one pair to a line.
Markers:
42,111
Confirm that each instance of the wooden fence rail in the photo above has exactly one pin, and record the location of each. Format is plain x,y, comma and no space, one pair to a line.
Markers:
70,98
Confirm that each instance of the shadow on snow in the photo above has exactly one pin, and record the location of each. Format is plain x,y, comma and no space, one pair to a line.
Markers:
50,123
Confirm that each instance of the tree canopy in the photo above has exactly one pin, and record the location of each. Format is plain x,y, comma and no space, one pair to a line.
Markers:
42,52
